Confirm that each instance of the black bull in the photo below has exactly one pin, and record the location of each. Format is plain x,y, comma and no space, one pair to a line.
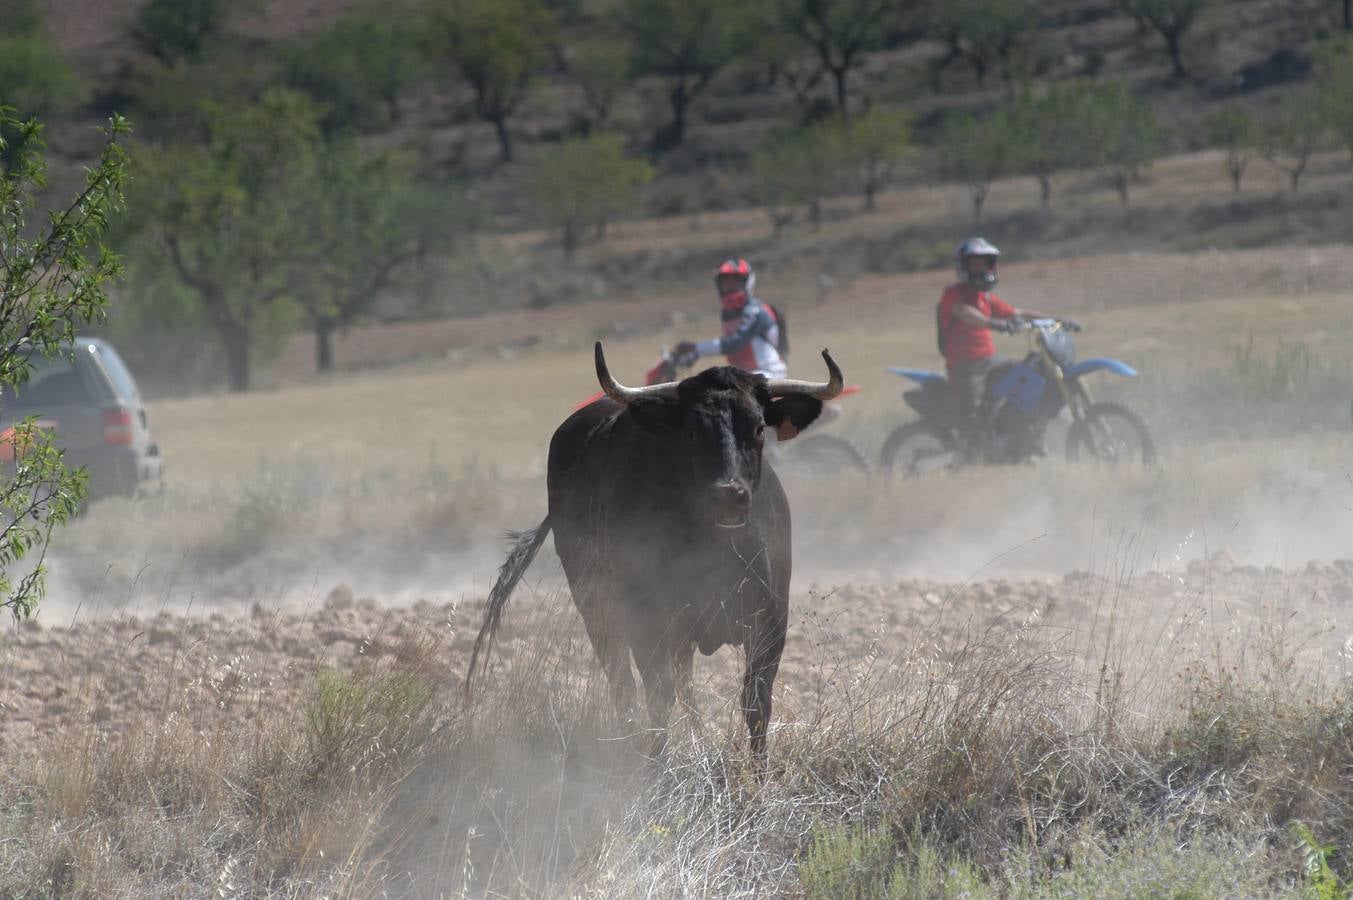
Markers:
672,531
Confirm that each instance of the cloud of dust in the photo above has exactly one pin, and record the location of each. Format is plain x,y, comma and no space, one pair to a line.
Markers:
1273,503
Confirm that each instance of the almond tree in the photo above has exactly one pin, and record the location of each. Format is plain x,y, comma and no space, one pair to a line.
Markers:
974,152
1294,133
1119,134
685,43
498,46
1231,128
1172,20
225,220
582,183
839,32
367,221
53,280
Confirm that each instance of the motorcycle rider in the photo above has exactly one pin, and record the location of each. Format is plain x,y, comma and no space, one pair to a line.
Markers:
968,312
752,339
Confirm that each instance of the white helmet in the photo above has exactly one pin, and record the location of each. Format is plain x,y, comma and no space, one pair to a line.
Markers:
976,246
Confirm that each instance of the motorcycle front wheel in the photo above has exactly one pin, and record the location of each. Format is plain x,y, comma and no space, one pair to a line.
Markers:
916,448
1111,433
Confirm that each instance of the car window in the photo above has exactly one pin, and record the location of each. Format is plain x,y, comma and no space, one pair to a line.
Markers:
122,379
53,382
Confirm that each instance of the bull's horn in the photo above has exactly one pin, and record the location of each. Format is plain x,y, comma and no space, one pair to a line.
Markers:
627,395
780,387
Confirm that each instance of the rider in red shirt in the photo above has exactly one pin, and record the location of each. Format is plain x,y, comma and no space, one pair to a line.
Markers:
967,314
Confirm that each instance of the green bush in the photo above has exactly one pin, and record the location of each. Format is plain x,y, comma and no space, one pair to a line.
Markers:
363,723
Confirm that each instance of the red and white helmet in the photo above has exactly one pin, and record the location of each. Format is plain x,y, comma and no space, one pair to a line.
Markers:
735,268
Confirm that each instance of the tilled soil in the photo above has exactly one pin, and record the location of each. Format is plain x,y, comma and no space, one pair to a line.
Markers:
109,674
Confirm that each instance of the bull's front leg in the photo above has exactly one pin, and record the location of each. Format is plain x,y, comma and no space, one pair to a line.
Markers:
764,644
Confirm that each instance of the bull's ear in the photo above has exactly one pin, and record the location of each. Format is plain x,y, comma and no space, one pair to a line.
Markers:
655,415
790,415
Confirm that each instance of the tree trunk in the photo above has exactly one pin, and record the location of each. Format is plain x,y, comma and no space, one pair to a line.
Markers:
235,342
979,198
839,76
570,239
1044,190
871,188
1294,175
1236,169
504,139
324,350
675,132
1173,43
1120,184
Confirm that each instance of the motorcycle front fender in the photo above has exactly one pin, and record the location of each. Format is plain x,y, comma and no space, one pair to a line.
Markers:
1086,366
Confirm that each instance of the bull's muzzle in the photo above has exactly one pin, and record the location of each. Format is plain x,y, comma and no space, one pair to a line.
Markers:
732,501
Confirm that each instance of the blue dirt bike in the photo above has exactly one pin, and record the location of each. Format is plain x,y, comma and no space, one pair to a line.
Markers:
1022,397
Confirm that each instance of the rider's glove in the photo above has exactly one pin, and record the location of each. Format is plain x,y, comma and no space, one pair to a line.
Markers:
1004,326
1071,325
685,353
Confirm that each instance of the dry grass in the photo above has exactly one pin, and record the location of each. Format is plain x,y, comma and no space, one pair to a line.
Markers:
1018,760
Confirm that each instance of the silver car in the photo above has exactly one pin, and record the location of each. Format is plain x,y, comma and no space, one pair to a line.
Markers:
89,399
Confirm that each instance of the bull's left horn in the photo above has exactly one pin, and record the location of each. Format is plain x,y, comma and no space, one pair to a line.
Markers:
780,387
627,395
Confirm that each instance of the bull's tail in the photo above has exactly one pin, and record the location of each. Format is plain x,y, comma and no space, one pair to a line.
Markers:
524,547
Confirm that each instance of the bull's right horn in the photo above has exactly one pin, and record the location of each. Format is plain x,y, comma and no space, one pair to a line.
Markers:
627,395
779,387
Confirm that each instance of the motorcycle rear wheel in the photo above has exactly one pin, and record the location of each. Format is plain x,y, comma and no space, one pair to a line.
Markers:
910,447
1111,433
822,455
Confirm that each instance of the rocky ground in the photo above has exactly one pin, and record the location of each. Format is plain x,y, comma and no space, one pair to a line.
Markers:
106,674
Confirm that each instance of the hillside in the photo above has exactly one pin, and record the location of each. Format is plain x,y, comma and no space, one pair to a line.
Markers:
702,205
